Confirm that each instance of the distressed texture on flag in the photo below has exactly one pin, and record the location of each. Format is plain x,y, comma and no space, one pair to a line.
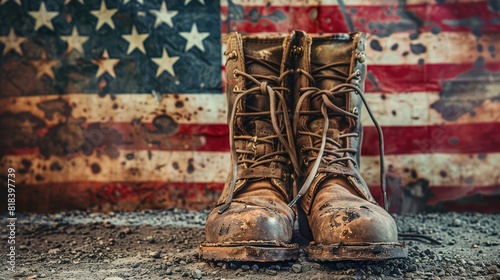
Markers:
56,47
118,104
432,82
87,85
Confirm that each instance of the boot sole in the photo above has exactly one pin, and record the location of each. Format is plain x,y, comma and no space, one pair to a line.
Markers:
357,252
253,251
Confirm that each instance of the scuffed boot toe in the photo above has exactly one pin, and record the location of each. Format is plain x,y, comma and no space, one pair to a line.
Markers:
346,227
244,223
253,228
351,222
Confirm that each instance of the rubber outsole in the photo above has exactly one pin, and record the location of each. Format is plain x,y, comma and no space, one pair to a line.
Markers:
357,252
249,251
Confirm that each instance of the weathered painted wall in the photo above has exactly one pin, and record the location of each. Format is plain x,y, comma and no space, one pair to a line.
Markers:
108,120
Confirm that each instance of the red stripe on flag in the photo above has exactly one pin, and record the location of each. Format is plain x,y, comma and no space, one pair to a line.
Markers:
117,195
460,138
416,78
188,137
370,19
387,18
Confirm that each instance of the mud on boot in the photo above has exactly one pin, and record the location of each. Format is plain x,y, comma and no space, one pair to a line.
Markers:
251,221
336,209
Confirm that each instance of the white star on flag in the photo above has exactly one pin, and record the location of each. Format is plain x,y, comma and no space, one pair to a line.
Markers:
104,16
165,63
188,1
164,15
43,17
75,41
11,42
135,40
106,65
44,66
194,38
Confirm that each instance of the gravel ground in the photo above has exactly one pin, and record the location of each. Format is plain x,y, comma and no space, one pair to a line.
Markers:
164,245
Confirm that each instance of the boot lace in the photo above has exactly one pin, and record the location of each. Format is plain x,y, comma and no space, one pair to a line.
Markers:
278,114
335,153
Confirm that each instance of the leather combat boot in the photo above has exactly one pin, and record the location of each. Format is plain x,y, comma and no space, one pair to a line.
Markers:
336,209
252,221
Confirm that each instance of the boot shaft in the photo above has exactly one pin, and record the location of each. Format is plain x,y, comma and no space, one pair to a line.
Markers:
324,66
242,55
327,70
257,88
347,51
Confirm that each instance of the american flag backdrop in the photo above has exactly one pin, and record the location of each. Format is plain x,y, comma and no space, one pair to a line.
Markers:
119,104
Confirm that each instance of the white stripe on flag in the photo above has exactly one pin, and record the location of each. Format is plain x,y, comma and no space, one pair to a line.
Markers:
456,170
412,109
130,166
439,49
183,108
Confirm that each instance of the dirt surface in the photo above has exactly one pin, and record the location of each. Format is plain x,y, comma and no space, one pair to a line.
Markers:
164,245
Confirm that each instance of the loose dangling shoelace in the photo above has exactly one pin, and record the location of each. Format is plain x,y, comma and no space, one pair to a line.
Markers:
276,101
333,155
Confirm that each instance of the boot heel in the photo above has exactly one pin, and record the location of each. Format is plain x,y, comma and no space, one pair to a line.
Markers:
304,228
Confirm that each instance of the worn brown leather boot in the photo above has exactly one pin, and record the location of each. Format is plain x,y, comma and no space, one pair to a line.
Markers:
336,209
251,221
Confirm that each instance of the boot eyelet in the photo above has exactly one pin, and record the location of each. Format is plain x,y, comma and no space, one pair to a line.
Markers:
355,110
236,88
361,57
235,73
358,73
233,56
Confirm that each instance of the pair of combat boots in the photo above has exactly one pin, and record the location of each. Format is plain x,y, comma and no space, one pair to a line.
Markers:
294,108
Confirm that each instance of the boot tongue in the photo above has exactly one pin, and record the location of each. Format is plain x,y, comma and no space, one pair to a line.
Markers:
333,131
325,53
260,102
335,124
261,129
